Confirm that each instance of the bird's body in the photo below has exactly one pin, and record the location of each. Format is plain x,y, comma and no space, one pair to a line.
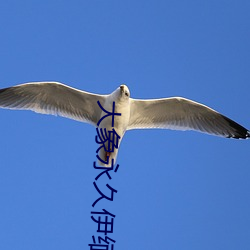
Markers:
167,113
122,106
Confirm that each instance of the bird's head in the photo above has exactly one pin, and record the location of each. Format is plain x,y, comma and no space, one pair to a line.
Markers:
121,94
124,91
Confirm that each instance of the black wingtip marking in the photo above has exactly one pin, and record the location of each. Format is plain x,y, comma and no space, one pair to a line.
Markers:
239,131
248,134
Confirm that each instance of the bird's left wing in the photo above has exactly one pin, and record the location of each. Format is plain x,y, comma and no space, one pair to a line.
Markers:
53,98
182,114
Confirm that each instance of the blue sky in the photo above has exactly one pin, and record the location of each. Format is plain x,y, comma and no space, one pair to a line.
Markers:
176,190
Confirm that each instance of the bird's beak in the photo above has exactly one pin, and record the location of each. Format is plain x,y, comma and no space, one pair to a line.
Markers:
122,88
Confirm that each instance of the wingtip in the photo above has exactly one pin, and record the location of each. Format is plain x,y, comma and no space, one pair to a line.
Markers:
248,135
241,135
239,131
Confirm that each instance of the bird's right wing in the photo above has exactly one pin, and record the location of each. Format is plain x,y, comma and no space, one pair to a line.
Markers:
53,98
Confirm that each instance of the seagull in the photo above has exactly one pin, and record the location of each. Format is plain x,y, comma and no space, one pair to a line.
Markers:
175,113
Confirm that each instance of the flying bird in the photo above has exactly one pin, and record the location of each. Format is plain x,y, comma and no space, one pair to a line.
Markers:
175,113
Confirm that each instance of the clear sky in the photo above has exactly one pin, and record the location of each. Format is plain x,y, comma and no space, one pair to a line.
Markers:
176,190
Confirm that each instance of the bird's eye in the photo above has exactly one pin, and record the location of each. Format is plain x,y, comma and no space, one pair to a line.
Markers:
126,93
